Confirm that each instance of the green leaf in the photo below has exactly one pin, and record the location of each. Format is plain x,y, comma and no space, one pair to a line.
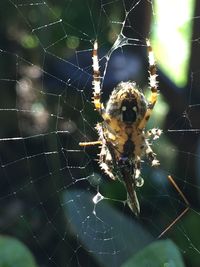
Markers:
163,253
13,253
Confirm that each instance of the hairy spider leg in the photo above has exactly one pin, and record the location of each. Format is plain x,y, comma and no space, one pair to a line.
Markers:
151,155
96,99
97,81
153,133
92,143
187,204
132,199
153,86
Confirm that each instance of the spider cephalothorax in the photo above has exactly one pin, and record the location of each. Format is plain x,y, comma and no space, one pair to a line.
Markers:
127,103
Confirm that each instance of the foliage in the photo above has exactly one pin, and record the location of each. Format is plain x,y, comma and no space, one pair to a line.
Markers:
161,253
14,253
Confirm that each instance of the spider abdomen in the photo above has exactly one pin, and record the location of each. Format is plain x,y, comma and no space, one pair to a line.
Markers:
127,142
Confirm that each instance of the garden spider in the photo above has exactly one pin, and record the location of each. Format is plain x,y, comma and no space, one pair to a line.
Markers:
122,136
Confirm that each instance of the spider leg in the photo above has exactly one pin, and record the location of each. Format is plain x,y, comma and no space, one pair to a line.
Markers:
151,155
93,143
153,86
107,161
132,199
154,133
97,81
187,204
139,181
99,128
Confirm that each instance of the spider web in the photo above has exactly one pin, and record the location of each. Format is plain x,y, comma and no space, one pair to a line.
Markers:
53,196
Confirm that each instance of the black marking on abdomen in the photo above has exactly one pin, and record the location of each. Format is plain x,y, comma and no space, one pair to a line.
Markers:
129,148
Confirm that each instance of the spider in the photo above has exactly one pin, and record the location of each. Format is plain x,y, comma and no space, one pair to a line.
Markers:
122,136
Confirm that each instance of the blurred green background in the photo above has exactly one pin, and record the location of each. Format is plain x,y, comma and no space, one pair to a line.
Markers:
47,180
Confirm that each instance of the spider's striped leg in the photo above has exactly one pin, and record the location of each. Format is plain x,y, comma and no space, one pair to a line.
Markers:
151,155
139,181
96,81
107,161
132,199
130,178
96,91
153,86
152,75
92,143
98,142
154,133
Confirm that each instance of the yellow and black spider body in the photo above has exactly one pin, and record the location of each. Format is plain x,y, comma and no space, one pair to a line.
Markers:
122,135
124,111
